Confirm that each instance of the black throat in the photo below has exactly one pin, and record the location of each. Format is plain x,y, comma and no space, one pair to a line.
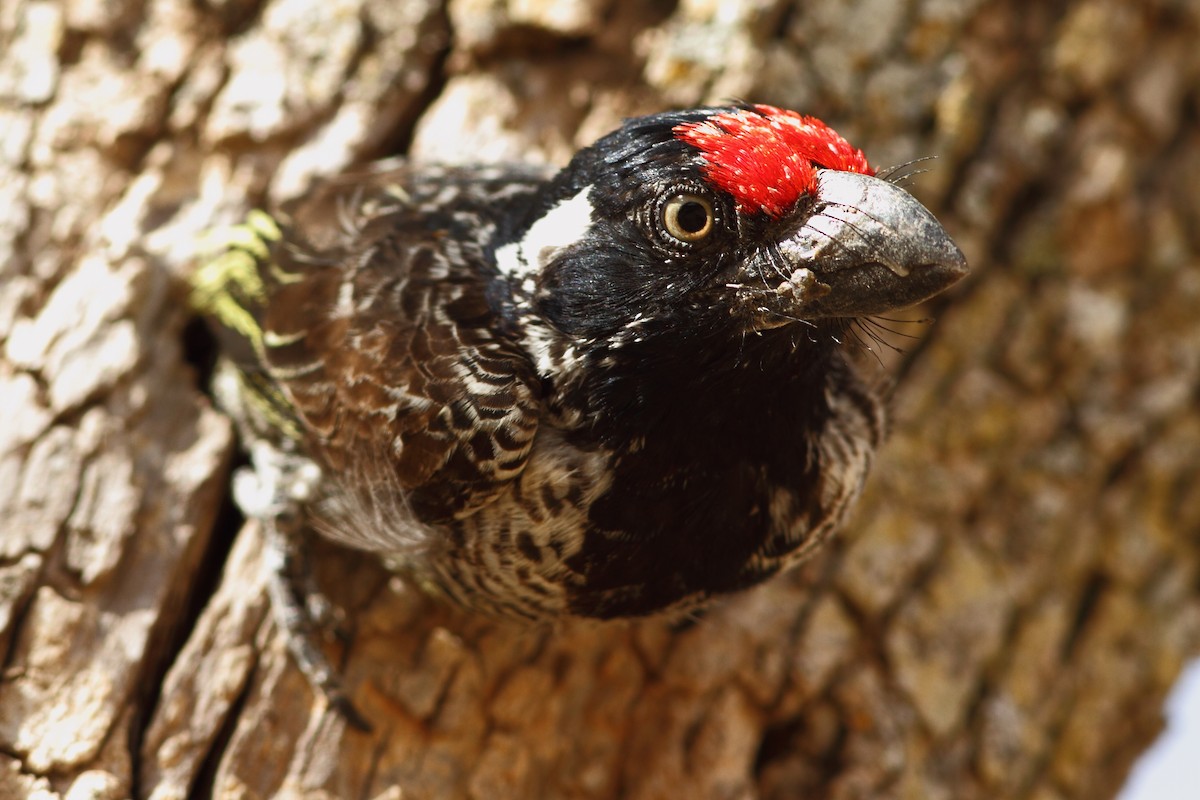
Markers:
709,393
704,436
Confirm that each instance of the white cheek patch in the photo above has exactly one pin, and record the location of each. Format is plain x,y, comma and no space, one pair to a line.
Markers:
561,226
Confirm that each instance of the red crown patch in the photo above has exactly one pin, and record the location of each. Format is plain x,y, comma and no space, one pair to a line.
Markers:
767,157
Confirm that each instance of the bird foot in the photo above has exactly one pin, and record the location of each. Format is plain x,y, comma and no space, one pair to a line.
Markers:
274,491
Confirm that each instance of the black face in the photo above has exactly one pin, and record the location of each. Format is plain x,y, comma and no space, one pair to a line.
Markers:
653,251
664,245
659,236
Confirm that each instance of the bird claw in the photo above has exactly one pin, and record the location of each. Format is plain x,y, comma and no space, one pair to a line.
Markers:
274,491
304,613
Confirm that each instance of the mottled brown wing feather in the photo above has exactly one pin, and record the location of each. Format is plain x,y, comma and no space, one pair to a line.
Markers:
391,358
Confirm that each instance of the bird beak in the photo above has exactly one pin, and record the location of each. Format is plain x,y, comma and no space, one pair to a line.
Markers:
865,247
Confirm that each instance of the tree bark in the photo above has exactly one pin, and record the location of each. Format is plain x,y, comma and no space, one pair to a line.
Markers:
1004,614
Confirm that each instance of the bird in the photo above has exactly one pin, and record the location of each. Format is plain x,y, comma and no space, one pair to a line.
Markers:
617,389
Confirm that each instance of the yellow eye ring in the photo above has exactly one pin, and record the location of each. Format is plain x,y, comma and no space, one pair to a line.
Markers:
688,217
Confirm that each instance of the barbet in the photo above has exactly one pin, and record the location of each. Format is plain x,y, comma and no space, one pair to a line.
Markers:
611,391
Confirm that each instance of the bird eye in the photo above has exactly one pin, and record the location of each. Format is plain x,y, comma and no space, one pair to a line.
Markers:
688,217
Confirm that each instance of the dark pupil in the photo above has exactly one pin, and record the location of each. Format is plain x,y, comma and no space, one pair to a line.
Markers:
692,217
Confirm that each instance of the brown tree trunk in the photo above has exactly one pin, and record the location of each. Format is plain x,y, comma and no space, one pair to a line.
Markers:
1002,619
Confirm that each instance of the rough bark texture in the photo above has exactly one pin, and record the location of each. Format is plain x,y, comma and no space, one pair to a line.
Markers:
1002,619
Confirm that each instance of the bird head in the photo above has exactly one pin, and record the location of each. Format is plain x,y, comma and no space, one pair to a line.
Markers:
729,221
